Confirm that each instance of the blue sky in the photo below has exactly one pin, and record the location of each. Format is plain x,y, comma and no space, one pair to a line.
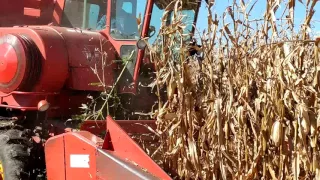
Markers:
257,12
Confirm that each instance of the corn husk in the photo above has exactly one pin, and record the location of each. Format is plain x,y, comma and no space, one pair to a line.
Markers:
276,133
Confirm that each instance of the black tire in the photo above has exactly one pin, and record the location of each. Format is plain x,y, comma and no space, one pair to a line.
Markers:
15,154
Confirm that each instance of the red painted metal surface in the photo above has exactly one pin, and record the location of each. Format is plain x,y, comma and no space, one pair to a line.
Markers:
30,12
98,127
33,107
13,62
67,53
48,46
81,47
55,159
115,157
79,156
53,54
71,50
58,12
145,30
8,63
117,140
85,147
129,126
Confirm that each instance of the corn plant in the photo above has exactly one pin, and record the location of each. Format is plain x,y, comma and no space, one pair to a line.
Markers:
250,109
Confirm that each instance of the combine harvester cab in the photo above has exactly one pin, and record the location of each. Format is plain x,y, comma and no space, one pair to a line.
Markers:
51,52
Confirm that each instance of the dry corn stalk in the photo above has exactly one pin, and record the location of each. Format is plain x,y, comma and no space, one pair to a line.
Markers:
252,110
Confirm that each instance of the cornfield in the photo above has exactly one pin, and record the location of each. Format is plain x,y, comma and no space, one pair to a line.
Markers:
250,108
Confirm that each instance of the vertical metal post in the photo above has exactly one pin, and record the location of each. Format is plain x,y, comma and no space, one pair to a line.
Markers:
84,18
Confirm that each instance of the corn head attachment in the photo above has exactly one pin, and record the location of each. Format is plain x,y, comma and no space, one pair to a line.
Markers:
83,155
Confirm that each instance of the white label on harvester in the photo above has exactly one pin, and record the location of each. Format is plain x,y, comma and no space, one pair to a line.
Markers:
79,161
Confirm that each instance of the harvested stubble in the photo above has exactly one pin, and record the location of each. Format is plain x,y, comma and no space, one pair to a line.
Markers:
252,112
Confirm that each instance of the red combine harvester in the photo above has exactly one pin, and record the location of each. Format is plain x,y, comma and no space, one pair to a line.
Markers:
48,50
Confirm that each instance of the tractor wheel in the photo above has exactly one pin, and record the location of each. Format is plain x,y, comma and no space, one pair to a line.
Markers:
14,155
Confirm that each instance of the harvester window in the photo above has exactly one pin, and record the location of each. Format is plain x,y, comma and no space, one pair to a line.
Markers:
84,14
126,19
157,13
127,7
